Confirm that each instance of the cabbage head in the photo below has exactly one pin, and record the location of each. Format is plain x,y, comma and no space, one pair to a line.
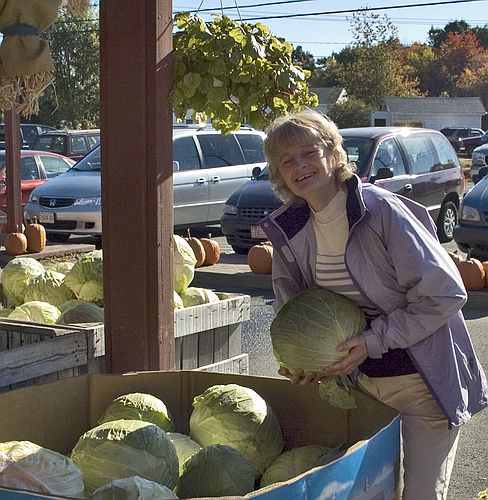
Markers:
183,263
16,277
86,277
69,304
4,313
139,406
306,332
48,287
125,448
296,461
62,267
239,417
194,296
185,447
132,488
82,313
177,302
36,311
216,471
28,466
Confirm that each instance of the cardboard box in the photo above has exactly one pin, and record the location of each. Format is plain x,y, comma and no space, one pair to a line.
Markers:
54,415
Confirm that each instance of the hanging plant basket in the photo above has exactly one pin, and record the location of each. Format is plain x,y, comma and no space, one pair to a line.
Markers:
233,73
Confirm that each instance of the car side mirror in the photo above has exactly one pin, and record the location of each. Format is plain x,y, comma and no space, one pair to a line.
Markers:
483,172
255,172
383,173
176,166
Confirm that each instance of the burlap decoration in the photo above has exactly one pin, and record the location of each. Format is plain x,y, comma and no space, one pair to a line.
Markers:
78,8
25,61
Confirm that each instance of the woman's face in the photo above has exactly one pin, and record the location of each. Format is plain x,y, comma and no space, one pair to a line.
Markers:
308,171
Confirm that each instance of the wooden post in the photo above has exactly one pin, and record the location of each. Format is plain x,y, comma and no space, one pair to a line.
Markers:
12,171
137,183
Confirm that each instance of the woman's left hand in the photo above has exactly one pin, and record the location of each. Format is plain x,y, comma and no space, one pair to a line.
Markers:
357,354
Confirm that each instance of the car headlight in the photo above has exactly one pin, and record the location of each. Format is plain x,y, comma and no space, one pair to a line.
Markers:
469,214
230,209
33,198
96,200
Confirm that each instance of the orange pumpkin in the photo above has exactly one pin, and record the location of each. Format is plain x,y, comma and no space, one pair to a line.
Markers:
456,257
260,258
472,273
36,238
485,268
212,250
15,243
198,249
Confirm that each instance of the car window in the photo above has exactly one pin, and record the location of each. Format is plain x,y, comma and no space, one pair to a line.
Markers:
53,143
388,155
29,134
252,146
93,140
185,153
54,166
220,150
78,145
28,169
91,162
420,153
358,150
446,156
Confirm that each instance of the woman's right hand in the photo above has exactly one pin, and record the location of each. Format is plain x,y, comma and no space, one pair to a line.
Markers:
300,377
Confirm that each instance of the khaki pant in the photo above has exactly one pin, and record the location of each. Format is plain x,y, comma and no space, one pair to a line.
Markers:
429,446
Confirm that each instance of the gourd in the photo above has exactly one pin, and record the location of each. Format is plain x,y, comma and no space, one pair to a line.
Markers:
198,249
472,273
260,258
36,237
212,251
15,243
457,259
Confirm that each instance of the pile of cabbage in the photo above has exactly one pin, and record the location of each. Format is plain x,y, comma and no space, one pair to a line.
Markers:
72,292
234,445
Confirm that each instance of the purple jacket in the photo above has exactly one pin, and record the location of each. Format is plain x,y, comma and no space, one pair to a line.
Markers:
395,259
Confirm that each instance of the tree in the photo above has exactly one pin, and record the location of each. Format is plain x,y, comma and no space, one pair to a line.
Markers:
303,58
438,35
74,44
350,113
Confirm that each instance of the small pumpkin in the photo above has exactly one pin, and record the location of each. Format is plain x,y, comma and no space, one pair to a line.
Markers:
198,249
36,237
485,268
457,259
260,258
15,243
472,273
212,250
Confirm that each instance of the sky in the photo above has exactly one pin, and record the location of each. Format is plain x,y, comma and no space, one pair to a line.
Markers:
324,34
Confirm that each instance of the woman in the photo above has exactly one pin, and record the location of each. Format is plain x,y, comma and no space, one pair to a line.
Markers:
381,250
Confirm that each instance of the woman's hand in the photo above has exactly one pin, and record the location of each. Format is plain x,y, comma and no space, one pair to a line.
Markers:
300,377
357,354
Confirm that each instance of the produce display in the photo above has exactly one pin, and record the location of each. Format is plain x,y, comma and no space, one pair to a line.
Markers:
474,273
260,258
31,239
235,445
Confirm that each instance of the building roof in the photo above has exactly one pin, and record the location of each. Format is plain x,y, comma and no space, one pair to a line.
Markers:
327,95
434,105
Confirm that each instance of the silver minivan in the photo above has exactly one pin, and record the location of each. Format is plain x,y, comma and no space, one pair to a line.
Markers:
207,168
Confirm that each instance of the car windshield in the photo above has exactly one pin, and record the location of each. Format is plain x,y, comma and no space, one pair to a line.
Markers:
90,162
358,150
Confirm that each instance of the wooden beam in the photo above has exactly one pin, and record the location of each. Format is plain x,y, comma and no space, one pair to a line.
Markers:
12,170
137,183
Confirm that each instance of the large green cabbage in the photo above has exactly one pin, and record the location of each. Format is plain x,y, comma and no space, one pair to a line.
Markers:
48,287
28,466
139,406
183,263
296,461
132,488
177,302
62,267
216,471
16,277
86,277
307,330
239,417
193,296
69,304
82,313
125,448
36,311
185,447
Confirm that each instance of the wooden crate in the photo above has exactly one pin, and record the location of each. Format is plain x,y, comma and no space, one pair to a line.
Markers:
207,338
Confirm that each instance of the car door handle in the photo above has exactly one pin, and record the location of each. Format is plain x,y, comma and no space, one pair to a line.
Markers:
407,187
215,178
201,180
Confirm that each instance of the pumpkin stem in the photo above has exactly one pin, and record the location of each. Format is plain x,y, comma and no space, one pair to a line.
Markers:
188,232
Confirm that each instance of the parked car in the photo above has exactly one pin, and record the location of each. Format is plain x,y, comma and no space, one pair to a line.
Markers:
479,159
417,163
28,133
207,168
471,233
36,167
455,135
471,143
74,144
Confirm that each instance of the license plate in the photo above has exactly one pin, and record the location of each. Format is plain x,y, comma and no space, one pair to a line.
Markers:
46,217
258,233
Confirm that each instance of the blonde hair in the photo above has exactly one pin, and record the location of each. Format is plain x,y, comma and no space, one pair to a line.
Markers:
304,127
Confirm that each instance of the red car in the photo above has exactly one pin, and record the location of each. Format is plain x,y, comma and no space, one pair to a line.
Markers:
36,167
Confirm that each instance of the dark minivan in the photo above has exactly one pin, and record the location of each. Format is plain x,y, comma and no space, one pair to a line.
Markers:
417,163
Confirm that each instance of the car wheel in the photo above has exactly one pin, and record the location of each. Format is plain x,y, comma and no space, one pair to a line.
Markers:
57,237
446,221
240,250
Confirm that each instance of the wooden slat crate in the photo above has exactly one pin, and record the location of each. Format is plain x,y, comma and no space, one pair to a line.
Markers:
207,337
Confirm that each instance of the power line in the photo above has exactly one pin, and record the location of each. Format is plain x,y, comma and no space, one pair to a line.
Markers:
267,4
